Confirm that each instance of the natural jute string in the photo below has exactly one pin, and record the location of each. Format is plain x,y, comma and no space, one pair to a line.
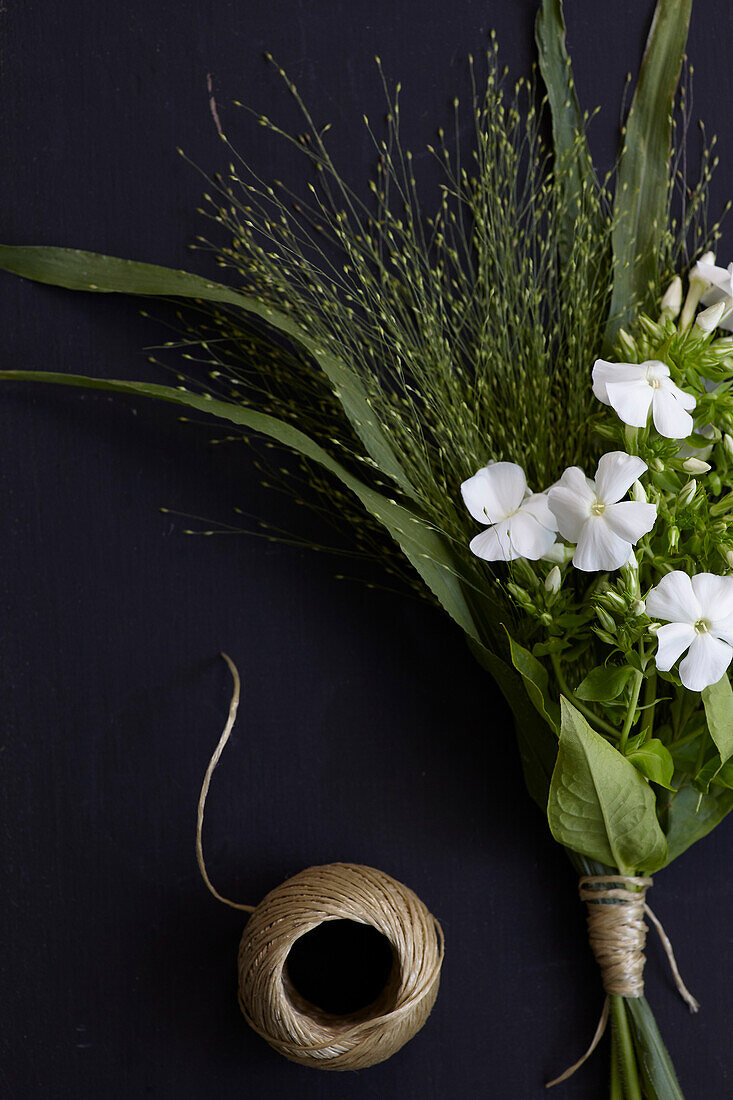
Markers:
617,934
336,891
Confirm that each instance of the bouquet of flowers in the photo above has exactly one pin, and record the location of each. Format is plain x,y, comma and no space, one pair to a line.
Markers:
523,404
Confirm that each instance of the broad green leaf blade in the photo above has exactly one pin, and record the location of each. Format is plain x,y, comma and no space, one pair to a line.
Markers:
599,805
573,163
421,544
718,702
536,742
708,773
693,815
654,761
603,684
77,270
536,682
643,174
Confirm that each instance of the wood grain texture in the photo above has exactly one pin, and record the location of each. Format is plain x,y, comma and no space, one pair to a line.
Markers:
366,728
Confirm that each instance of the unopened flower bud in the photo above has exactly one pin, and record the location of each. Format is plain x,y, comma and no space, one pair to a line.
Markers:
672,299
653,627
628,345
711,317
638,493
638,607
729,557
698,283
605,619
695,466
687,494
631,565
520,596
559,552
674,538
696,275
728,444
524,572
658,465
716,485
605,636
553,580
614,599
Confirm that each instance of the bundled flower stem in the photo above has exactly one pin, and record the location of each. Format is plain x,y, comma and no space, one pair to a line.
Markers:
524,405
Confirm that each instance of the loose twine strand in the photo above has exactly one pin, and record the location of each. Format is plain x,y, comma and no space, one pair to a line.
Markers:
338,891
226,734
617,934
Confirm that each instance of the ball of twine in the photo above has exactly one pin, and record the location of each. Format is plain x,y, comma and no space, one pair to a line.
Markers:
305,1033
302,1031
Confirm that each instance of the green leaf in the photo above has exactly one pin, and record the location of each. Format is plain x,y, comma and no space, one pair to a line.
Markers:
643,176
656,1062
693,815
536,682
604,683
653,760
420,543
599,805
708,772
724,775
536,742
718,702
77,270
573,163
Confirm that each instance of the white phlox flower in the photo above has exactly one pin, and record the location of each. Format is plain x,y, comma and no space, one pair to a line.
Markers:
522,525
719,290
699,615
632,389
593,515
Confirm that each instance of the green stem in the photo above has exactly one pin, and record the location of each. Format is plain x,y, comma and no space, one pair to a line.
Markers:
616,1091
627,1054
650,691
598,723
629,720
701,751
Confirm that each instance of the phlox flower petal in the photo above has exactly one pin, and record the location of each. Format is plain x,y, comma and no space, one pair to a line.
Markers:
674,599
495,491
522,525
708,658
615,475
633,389
592,515
700,614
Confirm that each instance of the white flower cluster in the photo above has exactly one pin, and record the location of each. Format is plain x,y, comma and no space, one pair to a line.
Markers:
591,514
596,525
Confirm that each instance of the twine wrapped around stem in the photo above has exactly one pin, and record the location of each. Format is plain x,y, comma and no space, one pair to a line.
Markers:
617,934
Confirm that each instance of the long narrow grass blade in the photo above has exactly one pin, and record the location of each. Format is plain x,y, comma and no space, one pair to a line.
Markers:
573,163
643,176
536,742
656,1062
421,544
92,271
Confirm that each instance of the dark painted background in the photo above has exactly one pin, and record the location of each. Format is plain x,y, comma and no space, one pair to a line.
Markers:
367,733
